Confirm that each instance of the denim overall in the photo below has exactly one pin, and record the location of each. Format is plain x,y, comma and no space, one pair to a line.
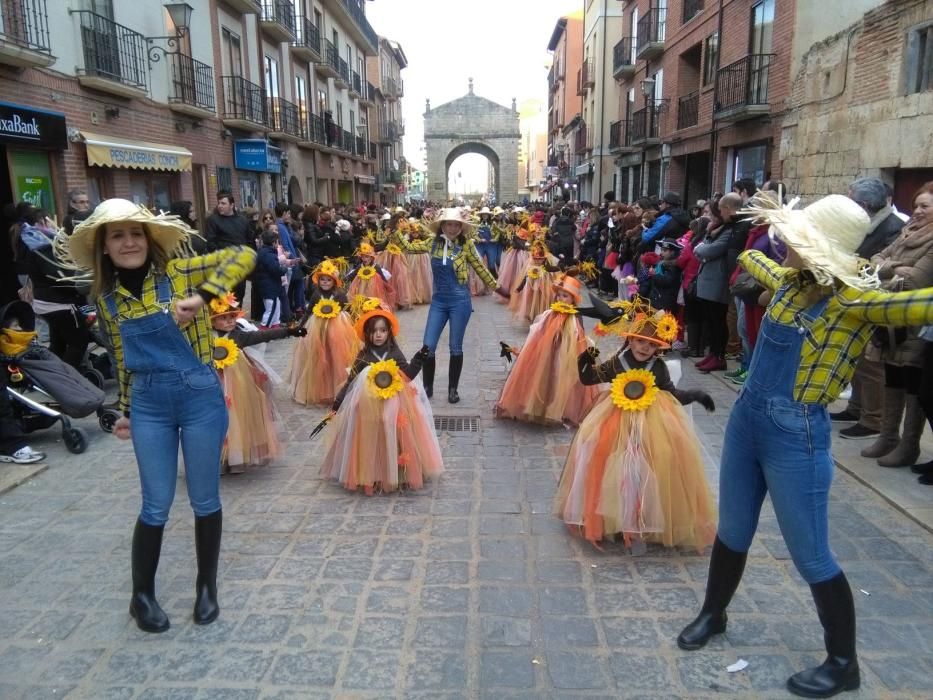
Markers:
172,393
487,248
775,444
450,302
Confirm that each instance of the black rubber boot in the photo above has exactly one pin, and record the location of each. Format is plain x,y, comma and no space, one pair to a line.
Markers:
145,609
725,572
427,374
453,378
207,531
839,672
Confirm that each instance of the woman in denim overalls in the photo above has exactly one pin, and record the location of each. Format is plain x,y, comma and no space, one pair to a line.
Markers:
778,439
151,306
451,252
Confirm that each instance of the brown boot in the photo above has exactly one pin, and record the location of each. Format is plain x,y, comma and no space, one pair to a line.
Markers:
908,449
891,413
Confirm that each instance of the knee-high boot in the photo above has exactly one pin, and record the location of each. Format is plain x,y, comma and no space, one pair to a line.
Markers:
147,547
839,671
725,571
908,449
892,409
207,532
453,378
427,374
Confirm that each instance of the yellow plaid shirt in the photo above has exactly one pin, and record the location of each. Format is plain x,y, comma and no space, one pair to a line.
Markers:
459,256
215,273
836,339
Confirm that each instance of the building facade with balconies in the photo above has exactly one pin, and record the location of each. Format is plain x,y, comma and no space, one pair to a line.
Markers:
385,71
564,105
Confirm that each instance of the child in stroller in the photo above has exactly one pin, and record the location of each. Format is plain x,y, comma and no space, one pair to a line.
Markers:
29,368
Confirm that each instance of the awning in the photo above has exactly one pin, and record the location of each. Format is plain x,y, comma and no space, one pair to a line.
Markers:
366,179
114,152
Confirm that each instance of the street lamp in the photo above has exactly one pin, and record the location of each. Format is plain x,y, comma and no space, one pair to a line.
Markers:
180,13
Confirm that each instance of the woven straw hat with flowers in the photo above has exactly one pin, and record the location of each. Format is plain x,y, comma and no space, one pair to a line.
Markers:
640,320
328,268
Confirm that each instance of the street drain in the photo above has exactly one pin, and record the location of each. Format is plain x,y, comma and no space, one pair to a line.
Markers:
457,424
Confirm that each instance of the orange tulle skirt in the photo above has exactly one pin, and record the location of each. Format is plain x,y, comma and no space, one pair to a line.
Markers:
422,283
511,270
382,444
374,287
544,386
251,435
397,266
321,359
535,298
639,474
478,288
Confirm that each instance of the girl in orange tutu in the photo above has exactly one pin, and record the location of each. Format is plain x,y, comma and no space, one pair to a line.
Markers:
534,293
251,435
392,258
635,466
321,359
514,258
370,279
422,282
543,386
383,435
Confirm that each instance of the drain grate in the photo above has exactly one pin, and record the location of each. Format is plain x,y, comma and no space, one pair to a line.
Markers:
457,424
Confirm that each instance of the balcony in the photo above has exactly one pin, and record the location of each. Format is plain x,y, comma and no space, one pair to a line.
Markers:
646,124
368,95
244,104
356,85
579,139
245,7
343,74
742,89
589,74
388,132
691,9
393,177
651,34
24,34
389,88
348,142
307,43
330,66
192,87
623,59
401,88
401,127
373,151
351,15
361,147
688,110
314,132
278,20
620,136
284,121
114,56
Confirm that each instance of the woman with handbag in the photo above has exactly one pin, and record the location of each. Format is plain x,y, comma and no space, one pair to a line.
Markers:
712,291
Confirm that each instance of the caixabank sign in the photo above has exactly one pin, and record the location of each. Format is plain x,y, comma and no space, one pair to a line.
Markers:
32,128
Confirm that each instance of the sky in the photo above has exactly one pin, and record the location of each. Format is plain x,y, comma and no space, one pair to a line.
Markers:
501,44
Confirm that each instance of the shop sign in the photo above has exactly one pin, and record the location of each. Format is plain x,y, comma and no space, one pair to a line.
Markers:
117,152
36,128
257,155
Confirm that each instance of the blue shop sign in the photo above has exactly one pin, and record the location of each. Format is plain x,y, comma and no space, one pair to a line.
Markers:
257,155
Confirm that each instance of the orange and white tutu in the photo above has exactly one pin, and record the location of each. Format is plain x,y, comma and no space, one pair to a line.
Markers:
511,269
397,266
376,286
535,297
321,359
544,386
422,282
639,474
381,444
478,288
251,436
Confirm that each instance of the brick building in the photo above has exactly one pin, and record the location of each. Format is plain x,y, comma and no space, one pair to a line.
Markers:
564,106
263,97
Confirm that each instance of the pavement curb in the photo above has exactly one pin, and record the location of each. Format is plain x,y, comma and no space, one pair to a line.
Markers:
12,475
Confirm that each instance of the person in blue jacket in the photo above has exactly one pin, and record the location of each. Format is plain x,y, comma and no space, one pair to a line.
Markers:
671,224
268,279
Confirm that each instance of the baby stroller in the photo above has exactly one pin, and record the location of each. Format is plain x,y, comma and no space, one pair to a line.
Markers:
44,390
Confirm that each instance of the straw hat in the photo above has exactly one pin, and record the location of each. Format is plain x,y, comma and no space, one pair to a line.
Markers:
225,305
385,217
380,311
641,320
450,215
327,269
571,285
484,210
366,248
825,235
167,231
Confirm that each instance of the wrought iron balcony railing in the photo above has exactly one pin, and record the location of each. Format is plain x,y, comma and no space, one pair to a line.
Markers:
623,57
243,100
646,122
742,87
344,70
192,82
356,83
688,109
579,139
355,8
307,36
283,117
331,57
279,12
25,23
112,51
651,33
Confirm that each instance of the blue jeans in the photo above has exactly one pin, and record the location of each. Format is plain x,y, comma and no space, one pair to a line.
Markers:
455,307
492,252
165,407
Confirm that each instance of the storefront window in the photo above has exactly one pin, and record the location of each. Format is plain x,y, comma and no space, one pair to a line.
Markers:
152,191
249,190
31,178
749,164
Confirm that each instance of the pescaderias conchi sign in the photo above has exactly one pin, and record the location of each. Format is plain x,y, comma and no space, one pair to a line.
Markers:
32,128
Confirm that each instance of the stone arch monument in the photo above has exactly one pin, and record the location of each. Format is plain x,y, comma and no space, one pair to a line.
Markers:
472,124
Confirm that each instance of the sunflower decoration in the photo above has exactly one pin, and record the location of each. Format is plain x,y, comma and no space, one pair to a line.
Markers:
226,352
534,273
562,307
367,272
326,308
588,270
634,390
223,303
666,327
384,379
393,249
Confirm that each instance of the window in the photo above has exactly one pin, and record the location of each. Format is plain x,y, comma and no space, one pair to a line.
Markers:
340,114
104,8
710,58
336,41
321,101
634,26
919,62
762,27
301,99
272,77
318,20
224,179
154,191
231,57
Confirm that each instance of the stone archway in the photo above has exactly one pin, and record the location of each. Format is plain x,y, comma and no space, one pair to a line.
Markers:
472,124
294,191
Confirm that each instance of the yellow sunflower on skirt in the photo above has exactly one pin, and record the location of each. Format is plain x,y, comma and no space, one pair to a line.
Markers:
534,273
385,379
634,390
226,352
393,249
326,308
367,272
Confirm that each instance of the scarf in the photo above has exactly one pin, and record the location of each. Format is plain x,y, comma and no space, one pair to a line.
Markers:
14,343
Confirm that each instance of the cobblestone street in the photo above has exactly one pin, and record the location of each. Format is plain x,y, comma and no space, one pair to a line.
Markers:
469,588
